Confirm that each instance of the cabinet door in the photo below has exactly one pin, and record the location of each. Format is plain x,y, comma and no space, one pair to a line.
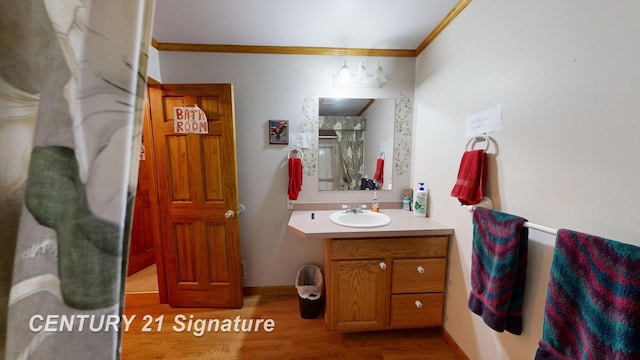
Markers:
359,295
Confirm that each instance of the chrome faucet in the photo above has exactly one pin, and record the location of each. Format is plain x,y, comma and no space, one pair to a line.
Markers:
350,209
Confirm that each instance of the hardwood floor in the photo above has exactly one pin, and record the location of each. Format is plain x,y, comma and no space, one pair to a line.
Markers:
291,337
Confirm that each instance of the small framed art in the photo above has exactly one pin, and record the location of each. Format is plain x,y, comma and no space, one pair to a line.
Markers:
279,132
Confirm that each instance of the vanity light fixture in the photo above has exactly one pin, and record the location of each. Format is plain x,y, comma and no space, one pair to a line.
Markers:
344,71
361,79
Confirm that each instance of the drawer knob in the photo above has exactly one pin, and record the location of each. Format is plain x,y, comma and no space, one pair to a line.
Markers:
383,265
420,269
418,304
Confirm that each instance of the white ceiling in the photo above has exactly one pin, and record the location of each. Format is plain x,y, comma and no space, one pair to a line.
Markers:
358,24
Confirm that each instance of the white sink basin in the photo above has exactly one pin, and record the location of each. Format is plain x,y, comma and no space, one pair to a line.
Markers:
363,219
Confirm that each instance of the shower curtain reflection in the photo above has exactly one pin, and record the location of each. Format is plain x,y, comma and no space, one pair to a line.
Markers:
341,152
329,169
351,144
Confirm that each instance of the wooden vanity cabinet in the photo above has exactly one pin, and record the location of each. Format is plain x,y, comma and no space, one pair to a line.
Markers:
359,291
384,283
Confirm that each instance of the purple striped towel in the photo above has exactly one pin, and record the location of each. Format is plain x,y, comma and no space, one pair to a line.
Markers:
498,269
592,309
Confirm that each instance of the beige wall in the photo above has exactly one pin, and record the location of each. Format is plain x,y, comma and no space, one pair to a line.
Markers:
568,155
275,87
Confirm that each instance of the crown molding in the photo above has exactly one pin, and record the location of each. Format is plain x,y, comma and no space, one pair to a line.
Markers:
283,50
442,25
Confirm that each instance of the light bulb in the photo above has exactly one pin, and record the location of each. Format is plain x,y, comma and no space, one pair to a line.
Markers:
344,71
362,71
379,74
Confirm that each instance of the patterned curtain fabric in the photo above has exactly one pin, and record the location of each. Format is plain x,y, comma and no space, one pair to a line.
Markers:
351,146
350,131
342,123
72,80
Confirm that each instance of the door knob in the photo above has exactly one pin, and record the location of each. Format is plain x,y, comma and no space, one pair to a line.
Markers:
383,265
229,214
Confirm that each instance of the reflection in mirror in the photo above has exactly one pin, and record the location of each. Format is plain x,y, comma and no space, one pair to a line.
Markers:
355,144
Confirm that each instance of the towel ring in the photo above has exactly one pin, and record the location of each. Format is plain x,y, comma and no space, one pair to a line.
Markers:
476,139
295,150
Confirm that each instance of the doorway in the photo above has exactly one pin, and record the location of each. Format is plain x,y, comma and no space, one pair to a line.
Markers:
195,179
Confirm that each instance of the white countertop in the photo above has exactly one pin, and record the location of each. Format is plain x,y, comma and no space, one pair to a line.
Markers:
403,223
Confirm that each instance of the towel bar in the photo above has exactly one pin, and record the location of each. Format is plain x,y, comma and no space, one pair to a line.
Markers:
542,228
530,225
476,139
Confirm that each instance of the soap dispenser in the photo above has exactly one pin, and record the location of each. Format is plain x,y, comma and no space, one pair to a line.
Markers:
420,201
374,202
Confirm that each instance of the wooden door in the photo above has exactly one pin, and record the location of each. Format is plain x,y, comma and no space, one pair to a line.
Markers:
141,249
358,295
197,192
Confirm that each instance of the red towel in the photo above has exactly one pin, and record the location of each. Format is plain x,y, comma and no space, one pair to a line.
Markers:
471,177
379,175
295,178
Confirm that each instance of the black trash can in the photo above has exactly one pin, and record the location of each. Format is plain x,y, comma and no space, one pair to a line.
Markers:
309,283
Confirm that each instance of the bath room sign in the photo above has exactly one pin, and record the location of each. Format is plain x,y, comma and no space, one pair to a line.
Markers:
190,120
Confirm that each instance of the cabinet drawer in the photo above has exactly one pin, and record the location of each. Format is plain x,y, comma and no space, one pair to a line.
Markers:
416,310
418,275
403,247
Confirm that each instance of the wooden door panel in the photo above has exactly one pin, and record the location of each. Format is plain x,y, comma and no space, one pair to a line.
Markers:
178,167
169,102
216,248
197,180
186,249
142,247
143,237
211,104
212,154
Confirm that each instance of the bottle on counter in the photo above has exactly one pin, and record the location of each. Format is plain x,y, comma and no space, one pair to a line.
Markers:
374,202
420,201
407,198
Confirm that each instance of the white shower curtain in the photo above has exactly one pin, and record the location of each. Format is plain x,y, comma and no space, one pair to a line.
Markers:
72,80
350,132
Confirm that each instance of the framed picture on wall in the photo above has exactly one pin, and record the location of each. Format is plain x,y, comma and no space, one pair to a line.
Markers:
279,132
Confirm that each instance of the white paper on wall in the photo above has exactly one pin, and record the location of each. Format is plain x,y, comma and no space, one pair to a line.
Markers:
300,140
483,122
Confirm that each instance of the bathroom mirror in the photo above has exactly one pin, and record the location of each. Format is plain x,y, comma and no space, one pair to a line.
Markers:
355,142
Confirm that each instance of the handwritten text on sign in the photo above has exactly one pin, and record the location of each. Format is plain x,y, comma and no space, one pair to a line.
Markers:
483,122
190,120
